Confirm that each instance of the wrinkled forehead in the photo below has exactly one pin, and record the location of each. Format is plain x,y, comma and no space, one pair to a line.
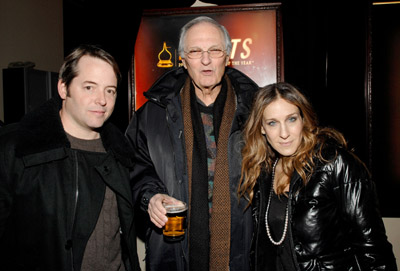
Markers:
204,33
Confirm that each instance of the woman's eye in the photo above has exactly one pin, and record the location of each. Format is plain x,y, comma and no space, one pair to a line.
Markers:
111,91
271,123
292,119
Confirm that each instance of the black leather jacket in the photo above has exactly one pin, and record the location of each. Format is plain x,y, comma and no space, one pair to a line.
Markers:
156,132
335,223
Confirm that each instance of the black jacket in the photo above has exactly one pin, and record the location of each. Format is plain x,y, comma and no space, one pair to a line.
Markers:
39,188
156,132
334,220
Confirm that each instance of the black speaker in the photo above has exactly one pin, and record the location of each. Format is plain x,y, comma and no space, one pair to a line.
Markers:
24,89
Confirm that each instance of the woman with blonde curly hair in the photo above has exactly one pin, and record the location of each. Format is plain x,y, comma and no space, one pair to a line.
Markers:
314,203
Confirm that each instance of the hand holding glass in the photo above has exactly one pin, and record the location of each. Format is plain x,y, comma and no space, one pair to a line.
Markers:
174,229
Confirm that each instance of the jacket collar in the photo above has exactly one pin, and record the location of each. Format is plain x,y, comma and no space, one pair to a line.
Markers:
41,130
170,84
245,89
167,86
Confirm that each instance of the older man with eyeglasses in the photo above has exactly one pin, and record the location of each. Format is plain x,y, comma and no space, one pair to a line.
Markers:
188,142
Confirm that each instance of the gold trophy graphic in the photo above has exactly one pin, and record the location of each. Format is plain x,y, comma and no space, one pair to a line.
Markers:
164,57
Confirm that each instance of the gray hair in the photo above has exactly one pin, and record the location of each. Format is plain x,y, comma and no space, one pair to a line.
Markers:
203,19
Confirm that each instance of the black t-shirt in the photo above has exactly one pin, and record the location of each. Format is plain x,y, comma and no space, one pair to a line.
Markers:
276,222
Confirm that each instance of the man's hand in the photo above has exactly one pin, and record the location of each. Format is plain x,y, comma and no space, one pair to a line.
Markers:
156,208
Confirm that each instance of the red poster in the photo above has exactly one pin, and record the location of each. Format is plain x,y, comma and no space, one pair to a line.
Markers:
254,29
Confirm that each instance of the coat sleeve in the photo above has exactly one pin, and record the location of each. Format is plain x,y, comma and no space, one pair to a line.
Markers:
145,182
360,208
6,198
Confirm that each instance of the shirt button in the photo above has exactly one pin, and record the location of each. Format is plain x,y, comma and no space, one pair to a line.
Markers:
298,248
68,244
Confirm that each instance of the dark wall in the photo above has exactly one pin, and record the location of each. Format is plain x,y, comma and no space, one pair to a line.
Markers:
324,48
385,104
112,25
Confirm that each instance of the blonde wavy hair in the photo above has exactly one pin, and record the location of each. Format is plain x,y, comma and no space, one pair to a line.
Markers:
258,155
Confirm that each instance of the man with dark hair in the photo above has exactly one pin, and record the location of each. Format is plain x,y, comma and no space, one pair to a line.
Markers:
65,201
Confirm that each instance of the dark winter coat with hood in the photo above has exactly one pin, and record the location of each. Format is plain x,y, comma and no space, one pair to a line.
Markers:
40,194
156,133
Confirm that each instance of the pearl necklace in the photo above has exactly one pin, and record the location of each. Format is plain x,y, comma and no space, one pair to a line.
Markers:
277,243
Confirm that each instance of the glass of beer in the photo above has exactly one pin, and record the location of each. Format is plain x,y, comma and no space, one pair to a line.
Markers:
174,229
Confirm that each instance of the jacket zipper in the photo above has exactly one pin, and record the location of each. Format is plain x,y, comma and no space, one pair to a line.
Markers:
75,205
173,150
184,168
290,236
259,228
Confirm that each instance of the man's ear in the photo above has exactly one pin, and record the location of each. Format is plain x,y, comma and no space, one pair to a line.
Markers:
62,89
184,63
227,60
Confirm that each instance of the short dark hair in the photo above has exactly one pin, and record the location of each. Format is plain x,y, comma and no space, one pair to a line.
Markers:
69,71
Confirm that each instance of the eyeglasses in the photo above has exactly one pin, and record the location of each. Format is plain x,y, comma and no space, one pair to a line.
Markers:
212,52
